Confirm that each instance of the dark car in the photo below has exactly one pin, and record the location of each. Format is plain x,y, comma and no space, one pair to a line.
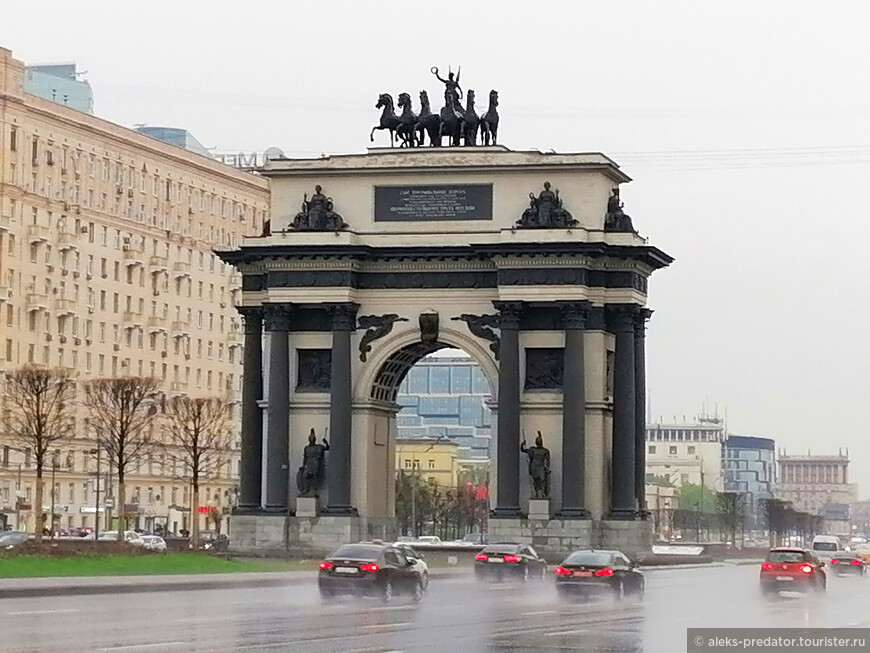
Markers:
589,572
509,561
370,570
845,563
791,569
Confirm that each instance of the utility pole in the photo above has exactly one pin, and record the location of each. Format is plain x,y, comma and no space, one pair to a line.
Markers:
53,469
700,506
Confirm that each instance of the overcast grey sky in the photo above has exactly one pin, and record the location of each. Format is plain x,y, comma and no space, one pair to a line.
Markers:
744,125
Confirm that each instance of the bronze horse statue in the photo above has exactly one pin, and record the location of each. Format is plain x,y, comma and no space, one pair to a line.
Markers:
489,120
389,119
407,129
428,123
472,122
451,119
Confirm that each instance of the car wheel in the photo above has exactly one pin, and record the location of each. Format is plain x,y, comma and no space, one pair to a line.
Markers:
823,586
418,591
388,591
325,596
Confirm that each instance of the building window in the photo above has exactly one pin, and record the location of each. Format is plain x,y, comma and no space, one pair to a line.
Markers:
651,449
691,450
672,451
431,464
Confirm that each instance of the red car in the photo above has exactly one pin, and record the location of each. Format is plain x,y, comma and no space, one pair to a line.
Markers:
790,569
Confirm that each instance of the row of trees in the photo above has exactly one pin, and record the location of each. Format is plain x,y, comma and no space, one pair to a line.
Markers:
423,508
129,418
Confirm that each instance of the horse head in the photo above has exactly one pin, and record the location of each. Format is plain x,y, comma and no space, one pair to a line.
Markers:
404,101
424,102
384,100
493,98
470,101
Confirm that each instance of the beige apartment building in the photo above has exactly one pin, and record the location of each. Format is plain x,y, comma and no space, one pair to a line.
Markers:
818,484
107,269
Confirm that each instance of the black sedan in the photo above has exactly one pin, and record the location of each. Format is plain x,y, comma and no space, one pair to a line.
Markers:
588,572
503,561
367,569
845,563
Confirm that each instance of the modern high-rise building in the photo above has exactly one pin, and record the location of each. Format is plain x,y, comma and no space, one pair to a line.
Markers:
107,269
60,83
750,470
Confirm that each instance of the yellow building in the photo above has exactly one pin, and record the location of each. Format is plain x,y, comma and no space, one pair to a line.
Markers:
435,459
107,269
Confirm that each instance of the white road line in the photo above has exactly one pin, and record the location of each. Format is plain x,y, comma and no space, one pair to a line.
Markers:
396,625
27,612
131,647
394,607
576,631
531,614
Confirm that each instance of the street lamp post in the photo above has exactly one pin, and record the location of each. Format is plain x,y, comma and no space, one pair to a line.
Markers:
53,470
97,494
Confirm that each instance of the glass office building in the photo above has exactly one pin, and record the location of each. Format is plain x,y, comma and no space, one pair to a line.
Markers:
750,468
446,395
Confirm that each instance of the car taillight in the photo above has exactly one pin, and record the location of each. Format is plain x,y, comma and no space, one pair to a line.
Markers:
481,557
856,562
807,569
369,567
607,571
561,571
766,565
326,565
511,558
834,561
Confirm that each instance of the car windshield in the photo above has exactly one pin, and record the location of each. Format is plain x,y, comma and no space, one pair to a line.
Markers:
358,552
588,558
824,546
502,548
785,556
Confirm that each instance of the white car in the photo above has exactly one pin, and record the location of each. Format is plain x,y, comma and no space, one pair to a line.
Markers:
418,559
430,540
154,542
130,537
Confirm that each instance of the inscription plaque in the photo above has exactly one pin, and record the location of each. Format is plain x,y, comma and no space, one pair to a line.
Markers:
432,203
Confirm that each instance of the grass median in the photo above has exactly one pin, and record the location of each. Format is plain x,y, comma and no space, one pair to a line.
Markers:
116,564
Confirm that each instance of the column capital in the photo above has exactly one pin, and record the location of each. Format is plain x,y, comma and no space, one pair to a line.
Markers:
277,316
343,316
509,314
620,317
252,318
574,315
640,318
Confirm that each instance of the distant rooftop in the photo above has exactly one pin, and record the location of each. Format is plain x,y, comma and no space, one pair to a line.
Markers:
59,82
175,136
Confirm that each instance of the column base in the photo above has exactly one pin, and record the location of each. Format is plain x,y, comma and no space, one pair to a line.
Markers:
573,513
511,512
307,506
622,514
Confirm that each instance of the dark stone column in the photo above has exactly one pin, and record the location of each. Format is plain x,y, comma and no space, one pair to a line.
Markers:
574,416
640,319
338,468
508,492
251,472
277,323
622,489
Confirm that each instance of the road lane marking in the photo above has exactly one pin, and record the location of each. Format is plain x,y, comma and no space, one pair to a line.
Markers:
576,631
531,614
395,625
130,647
392,607
28,612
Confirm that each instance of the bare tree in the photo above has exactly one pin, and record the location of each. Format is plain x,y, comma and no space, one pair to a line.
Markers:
198,431
39,412
122,412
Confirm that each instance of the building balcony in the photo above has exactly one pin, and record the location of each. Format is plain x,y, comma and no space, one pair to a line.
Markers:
64,306
5,223
70,371
234,339
132,255
132,319
4,293
67,240
181,269
181,328
158,264
37,233
235,282
178,387
156,324
36,302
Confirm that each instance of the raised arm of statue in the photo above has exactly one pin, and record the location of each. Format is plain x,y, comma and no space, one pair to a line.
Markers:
325,445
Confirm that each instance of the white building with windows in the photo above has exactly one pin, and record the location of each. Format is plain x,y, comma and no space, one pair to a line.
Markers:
687,453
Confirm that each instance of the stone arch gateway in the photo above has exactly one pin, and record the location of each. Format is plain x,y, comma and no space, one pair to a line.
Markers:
525,260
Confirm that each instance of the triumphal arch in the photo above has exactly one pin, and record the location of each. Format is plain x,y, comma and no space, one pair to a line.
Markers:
525,260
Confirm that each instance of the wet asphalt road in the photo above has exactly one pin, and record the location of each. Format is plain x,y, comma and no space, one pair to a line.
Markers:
457,616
